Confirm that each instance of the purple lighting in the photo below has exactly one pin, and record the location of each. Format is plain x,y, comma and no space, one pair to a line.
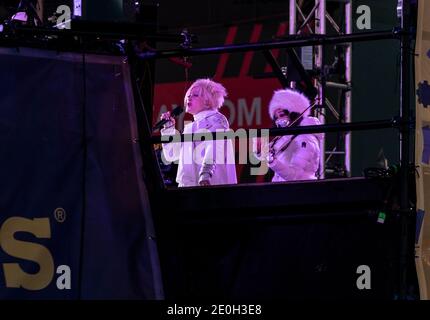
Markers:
426,149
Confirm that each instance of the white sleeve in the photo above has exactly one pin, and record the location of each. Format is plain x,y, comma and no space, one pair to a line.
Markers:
303,154
214,150
171,151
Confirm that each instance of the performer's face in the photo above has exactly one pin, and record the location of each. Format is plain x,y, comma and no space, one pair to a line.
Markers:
281,113
282,118
194,101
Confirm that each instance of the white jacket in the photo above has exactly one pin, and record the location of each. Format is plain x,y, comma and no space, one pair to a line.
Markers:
296,159
211,160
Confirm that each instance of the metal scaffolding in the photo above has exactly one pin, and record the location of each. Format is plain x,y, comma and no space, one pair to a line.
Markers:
321,16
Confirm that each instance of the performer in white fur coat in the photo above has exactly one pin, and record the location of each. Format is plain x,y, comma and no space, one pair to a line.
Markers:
291,157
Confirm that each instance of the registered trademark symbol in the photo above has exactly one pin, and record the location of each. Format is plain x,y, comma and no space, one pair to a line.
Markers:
60,215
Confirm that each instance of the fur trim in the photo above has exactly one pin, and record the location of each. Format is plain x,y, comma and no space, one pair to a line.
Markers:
289,99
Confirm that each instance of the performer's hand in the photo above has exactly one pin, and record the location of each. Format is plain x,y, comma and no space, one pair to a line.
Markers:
167,116
204,183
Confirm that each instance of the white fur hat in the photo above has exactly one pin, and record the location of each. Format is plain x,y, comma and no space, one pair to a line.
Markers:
291,100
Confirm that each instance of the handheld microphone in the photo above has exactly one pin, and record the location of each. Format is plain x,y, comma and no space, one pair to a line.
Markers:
175,112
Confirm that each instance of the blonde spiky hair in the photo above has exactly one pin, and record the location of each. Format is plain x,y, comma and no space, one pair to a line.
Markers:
212,92
291,100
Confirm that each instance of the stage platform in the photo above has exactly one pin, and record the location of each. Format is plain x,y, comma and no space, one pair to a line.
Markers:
295,240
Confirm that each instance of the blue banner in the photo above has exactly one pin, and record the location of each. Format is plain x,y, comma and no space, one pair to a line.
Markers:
74,214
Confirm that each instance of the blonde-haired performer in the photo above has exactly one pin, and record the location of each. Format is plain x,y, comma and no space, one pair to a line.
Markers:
209,162
291,157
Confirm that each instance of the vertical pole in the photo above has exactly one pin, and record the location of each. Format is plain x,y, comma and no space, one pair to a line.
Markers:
320,28
293,11
348,93
404,144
